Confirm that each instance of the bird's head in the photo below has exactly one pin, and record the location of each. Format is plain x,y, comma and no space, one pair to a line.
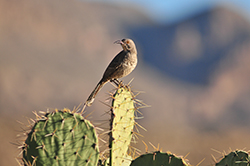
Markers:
127,45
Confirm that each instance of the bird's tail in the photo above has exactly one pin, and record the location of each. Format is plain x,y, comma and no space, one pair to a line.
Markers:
91,97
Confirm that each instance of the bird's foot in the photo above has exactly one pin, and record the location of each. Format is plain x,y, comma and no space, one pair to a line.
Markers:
117,82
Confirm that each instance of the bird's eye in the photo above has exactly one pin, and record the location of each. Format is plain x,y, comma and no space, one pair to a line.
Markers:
127,42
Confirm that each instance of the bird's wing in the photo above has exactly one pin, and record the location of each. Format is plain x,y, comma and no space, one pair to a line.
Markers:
114,65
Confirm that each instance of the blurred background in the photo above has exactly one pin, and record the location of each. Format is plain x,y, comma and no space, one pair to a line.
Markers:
193,68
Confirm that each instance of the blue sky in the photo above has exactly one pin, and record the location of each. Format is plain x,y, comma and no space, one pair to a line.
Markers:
165,11
172,10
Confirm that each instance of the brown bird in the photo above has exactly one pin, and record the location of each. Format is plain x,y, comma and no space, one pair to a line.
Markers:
122,65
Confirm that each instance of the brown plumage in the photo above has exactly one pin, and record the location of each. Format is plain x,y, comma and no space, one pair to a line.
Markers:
122,65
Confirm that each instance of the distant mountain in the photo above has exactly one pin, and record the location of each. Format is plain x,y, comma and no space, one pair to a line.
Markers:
189,51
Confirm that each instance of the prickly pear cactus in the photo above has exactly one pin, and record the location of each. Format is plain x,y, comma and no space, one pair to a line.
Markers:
122,124
236,158
158,159
61,138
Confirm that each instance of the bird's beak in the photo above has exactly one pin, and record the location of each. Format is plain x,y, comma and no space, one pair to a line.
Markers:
121,43
118,42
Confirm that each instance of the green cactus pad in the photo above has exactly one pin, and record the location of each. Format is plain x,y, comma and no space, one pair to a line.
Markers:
122,124
61,138
236,158
158,159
